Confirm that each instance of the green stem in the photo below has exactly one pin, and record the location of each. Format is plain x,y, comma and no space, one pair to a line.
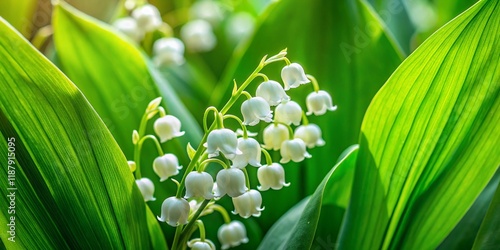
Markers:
305,121
178,232
157,143
247,95
314,82
243,127
290,130
205,162
263,77
269,160
222,211
201,227
205,116
246,178
187,228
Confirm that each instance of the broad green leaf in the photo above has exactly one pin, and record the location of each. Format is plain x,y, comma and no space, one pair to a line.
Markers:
297,228
70,180
430,138
345,47
20,14
489,233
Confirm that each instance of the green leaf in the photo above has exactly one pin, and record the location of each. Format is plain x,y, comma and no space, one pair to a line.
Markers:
73,188
297,228
489,233
20,14
345,47
430,138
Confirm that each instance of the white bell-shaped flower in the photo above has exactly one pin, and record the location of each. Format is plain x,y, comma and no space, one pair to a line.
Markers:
310,134
274,135
288,112
230,181
128,26
148,17
254,110
293,76
222,140
198,244
168,51
251,153
272,92
174,211
132,166
199,184
248,204
319,102
208,10
271,176
232,234
166,165
168,127
294,150
147,188
198,36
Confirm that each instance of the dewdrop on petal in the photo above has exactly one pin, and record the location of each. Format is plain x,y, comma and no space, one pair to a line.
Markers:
166,165
271,176
174,211
198,36
198,244
232,234
254,110
272,92
319,102
293,76
248,204
128,26
147,188
199,184
274,135
168,127
148,17
222,140
310,134
230,181
251,153
294,150
132,165
288,112
168,51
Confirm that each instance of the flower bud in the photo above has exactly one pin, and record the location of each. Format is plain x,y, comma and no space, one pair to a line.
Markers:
168,51
319,102
272,92
251,151
166,166
128,26
198,244
174,211
310,134
222,140
248,204
288,112
148,17
230,181
198,36
232,234
147,188
293,149
132,165
271,176
274,135
168,127
254,110
293,76
199,184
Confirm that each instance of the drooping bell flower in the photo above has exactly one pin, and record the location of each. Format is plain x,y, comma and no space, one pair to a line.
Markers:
230,181
232,234
147,188
222,140
199,184
248,204
148,17
168,51
174,211
272,92
198,244
294,150
319,102
254,110
288,112
168,127
128,26
251,153
310,134
166,165
271,176
274,135
293,76
198,36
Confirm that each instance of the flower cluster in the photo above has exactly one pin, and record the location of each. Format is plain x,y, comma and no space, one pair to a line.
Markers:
234,151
